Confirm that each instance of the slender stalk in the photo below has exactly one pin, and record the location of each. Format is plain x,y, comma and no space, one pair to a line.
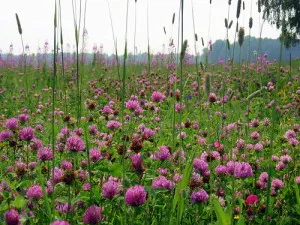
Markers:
115,41
63,61
122,108
134,46
53,97
183,49
196,54
77,31
149,60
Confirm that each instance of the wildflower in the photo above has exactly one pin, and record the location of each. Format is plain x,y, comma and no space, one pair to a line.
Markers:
285,158
34,192
95,155
64,207
255,135
137,163
58,175
111,188
290,134
45,154
157,96
177,177
12,217
66,165
23,118
112,124
75,144
258,146
36,144
251,200
162,171
148,133
93,130
107,110
212,97
162,182
135,196
280,166
26,134
12,124
92,215
199,196
60,222
242,170
221,170
182,135
5,135
277,183
163,154
86,187
179,107
200,165
132,105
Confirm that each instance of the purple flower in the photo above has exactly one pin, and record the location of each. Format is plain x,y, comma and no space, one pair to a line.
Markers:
162,182
36,144
64,207
297,180
66,165
112,124
157,96
23,118
26,134
45,154
199,196
58,175
12,124
86,187
92,215
255,135
200,165
12,217
107,110
285,158
95,155
75,144
212,97
35,192
137,163
5,135
242,170
111,188
147,133
132,105
135,195
258,146
93,130
163,154
221,170
60,222
293,141
277,183
290,134
179,107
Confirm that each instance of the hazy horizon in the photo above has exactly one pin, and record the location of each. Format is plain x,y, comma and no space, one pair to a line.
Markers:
37,23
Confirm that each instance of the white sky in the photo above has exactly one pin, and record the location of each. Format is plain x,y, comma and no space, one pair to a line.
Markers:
37,22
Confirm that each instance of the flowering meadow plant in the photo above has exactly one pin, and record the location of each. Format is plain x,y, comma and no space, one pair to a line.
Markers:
164,138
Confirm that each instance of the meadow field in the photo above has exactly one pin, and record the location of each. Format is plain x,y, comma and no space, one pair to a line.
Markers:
167,139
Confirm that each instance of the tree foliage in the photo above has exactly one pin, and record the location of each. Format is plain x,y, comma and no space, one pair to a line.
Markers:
285,14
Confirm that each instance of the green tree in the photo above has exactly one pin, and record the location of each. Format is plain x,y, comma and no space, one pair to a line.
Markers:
285,14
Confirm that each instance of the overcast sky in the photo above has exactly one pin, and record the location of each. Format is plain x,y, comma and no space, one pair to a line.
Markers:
37,22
